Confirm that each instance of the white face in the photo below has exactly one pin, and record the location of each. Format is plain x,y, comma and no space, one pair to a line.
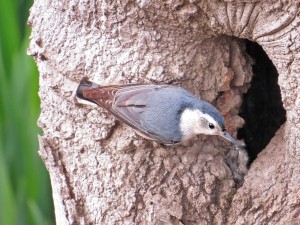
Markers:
194,122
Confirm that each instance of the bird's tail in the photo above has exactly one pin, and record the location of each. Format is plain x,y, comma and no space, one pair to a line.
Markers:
84,85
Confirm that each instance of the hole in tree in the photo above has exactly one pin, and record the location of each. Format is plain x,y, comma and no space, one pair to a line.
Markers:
262,107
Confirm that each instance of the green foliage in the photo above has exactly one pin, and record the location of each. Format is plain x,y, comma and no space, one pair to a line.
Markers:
25,194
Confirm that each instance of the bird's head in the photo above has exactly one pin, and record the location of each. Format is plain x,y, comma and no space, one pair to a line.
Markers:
204,119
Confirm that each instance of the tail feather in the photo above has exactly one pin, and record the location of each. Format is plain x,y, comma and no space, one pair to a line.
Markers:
84,85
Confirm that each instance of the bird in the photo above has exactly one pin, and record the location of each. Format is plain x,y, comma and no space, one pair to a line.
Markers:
163,113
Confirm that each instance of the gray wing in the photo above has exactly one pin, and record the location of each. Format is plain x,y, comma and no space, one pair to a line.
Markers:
130,102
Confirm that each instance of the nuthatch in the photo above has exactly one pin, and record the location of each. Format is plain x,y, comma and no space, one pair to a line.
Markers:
163,113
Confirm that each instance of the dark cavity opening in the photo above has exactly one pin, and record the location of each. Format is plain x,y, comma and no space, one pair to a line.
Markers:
262,107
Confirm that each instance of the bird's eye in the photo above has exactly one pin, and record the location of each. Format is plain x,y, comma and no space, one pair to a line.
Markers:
211,126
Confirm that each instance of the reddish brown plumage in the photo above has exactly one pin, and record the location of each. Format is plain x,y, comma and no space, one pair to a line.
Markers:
102,96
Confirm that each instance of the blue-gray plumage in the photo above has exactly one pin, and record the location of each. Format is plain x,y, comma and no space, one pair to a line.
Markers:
163,103
163,113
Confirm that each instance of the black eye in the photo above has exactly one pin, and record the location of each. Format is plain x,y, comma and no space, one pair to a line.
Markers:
211,126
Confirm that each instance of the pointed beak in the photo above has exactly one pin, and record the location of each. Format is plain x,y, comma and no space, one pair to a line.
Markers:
229,138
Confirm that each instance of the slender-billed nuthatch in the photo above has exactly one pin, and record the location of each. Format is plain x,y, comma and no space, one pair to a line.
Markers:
164,113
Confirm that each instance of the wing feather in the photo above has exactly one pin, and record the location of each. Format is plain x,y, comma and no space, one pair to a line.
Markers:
129,104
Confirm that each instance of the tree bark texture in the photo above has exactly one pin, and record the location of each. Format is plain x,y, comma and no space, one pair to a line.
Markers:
102,172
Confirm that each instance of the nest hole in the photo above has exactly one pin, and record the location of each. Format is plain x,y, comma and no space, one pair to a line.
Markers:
262,107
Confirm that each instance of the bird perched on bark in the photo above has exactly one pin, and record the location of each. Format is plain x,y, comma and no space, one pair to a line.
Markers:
164,113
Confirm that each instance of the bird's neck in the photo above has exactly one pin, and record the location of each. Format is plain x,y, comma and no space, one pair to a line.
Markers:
190,123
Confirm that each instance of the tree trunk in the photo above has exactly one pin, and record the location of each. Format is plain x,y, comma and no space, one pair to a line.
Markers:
102,172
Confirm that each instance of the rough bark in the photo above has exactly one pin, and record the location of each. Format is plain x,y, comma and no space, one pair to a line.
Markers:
102,173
